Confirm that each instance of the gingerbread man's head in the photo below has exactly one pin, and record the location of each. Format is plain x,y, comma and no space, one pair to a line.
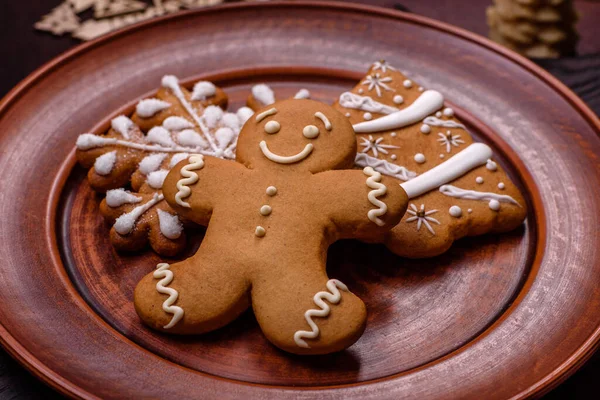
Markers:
299,136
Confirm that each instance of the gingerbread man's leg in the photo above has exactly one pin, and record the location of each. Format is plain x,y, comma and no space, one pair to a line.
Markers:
305,312
197,295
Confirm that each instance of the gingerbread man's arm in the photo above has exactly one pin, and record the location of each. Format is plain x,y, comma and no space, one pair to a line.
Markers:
361,203
194,186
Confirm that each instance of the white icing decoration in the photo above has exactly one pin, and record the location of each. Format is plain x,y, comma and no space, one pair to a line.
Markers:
151,163
302,94
324,119
393,156
494,205
479,180
377,83
374,145
177,123
231,121
455,211
422,217
448,112
360,91
160,135
333,296
118,197
438,114
212,115
348,114
244,114
386,168
435,121
224,136
189,178
420,158
365,103
383,65
449,140
407,83
282,159
189,137
490,165
398,99
421,88
426,129
265,210
368,116
166,277
470,210
263,94
105,163
88,141
459,193
265,114
157,178
393,134
122,125
501,185
149,107
169,225
428,102
260,231
125,223
271,191
177,158
203,90
473,156
442,156
272,127
379,189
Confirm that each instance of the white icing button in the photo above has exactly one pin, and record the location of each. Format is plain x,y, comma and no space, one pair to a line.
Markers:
310,131
479,180
368,116
271,191
455,211
442,156
470,210
398,99
494,205
348,115
265,210
219,153
438,114
260,231
492,166
407,84
272,127
425,129
421,88
360,91
393,156
420,158
501,185
393,134
448,112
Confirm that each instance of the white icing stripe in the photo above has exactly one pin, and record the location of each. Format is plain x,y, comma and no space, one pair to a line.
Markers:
473,156
333,296
266,114
118,197
166,277
105,163
169,225
364,103
323,118
286,160
125,223
427,103
189,178
459,193
434,121
385,167
379,189
149,107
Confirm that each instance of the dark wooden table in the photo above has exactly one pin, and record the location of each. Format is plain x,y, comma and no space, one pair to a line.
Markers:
22,50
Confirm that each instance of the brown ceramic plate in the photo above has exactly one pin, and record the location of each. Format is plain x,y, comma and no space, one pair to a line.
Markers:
495,317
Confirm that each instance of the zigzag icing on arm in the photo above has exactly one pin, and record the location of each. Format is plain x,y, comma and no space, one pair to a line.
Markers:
333,296
379,189
189,178
166,277
385,167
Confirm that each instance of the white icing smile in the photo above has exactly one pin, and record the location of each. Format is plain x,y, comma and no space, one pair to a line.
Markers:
286,160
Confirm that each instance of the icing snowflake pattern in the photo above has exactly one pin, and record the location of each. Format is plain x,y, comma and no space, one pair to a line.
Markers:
383,66
374,145
377,82
422,217
449,140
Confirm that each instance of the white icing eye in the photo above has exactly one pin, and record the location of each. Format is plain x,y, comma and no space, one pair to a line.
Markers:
310,131
272,127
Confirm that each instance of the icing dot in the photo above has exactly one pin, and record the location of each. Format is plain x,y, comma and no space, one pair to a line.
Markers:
310,131
265,210
393,134
260,231
398,99
438,114
272,127
420,158
455,211
448,112
479,180
348,115
492,166
271,191
393,156
442,156
407,83
426,129
470,210
360,91
421,88
494,205
368,116
501,185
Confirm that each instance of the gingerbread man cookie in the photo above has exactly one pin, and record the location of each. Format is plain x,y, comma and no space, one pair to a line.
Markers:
456,188
271,217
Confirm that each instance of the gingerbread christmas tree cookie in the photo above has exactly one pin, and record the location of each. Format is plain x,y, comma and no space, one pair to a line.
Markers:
271,217
456,189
